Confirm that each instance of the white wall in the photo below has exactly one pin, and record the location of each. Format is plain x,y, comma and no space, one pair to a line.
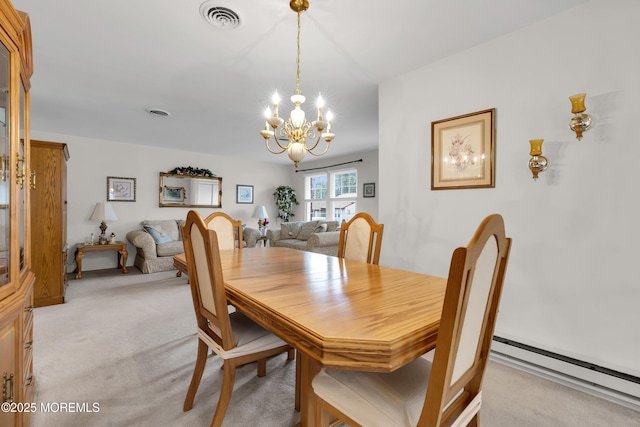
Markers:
571,286
367,172
92,161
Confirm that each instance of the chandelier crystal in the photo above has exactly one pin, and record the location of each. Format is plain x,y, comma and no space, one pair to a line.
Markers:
297,129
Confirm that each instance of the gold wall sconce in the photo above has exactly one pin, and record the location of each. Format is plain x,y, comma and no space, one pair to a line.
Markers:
538,162
581,121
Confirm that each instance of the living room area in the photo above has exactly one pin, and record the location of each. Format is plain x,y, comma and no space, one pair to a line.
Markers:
87,185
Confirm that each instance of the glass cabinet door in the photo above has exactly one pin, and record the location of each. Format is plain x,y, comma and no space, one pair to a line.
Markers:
5,176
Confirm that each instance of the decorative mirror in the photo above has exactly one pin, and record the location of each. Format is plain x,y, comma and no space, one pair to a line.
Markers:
189,187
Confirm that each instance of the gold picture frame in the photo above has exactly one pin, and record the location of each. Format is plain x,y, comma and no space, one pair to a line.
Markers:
121,189
463,151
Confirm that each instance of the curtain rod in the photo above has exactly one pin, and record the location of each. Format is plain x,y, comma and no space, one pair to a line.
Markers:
330,166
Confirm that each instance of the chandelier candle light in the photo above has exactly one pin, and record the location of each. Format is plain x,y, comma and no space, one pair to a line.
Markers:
297,129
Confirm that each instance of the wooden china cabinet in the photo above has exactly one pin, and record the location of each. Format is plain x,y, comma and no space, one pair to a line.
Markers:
16,277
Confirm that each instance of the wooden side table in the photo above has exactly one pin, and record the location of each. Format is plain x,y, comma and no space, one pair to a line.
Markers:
262,239
82,249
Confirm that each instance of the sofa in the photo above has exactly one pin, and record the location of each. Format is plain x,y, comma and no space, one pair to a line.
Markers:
314,236
157,241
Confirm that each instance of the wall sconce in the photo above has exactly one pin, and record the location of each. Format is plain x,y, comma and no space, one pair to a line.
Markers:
538,162
581,121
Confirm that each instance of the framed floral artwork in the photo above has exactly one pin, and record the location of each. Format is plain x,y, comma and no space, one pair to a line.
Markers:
463,151
121,189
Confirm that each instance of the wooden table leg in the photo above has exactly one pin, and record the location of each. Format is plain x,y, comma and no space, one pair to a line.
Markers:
122,253
308,369
78,270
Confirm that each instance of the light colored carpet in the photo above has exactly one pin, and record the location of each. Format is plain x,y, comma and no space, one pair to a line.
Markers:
127,343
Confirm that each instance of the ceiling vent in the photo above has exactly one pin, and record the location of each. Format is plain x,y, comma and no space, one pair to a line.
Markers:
219,16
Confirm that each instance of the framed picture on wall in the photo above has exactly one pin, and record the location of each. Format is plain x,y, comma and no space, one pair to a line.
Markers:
244,194
173,194
463,151
369,189
121,189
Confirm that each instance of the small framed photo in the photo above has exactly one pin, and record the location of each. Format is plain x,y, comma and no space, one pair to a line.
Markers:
121,189
244,194
173,194
463,151
369,189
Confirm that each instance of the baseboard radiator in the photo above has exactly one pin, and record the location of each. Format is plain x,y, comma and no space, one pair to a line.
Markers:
606,383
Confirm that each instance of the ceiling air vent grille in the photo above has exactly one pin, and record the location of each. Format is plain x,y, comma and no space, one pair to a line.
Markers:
219,16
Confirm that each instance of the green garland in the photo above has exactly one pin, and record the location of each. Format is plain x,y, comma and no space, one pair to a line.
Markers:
191,171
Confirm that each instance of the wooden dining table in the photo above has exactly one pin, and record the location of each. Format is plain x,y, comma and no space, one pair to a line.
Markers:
336,313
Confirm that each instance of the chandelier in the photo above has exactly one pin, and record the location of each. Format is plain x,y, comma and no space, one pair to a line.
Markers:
297,129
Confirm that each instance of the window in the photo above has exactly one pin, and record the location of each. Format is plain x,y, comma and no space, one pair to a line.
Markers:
331,196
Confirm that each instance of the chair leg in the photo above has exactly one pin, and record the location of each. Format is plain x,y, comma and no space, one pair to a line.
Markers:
262,367
228,379
201,361
322,418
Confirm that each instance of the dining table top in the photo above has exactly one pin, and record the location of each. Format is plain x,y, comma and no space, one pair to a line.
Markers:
341,313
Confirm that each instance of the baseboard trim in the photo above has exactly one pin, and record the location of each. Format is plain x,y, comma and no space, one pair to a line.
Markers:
615,386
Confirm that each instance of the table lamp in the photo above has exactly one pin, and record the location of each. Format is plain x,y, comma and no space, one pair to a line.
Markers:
263,217
103,212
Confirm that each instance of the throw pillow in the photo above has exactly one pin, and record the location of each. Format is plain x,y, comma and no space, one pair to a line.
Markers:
333,226
306,230
289,230
168,226
321,228
157,235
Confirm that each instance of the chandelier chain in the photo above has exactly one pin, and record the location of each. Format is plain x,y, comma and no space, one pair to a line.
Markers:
298,91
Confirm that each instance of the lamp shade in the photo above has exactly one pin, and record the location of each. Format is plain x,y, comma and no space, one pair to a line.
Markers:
103,211
260,212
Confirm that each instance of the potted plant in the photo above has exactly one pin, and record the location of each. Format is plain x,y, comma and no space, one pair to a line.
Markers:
285,201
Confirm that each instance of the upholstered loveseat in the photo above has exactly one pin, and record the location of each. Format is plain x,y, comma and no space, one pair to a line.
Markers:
158,241
314,236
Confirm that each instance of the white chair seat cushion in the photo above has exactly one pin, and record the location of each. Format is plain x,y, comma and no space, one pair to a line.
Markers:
377,399
250,337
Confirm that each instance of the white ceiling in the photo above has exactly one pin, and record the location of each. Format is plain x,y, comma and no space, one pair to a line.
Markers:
99,64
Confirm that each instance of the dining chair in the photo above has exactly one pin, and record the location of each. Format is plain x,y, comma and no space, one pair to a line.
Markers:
447,391
229,230
360,239
234,337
